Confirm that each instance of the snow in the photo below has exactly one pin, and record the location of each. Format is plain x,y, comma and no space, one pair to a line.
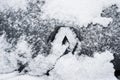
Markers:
57,48
81,12
86,68
23,51
45,63
67,67
15,4
5,60
15,76
57,43
7,76
71,68
40,67
8,60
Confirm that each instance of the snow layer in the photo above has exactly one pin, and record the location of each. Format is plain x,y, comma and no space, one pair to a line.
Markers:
6,64
71,68
58,48
15,4
86,68
68,67
40,67
45,63
9,59
23,51
79,11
